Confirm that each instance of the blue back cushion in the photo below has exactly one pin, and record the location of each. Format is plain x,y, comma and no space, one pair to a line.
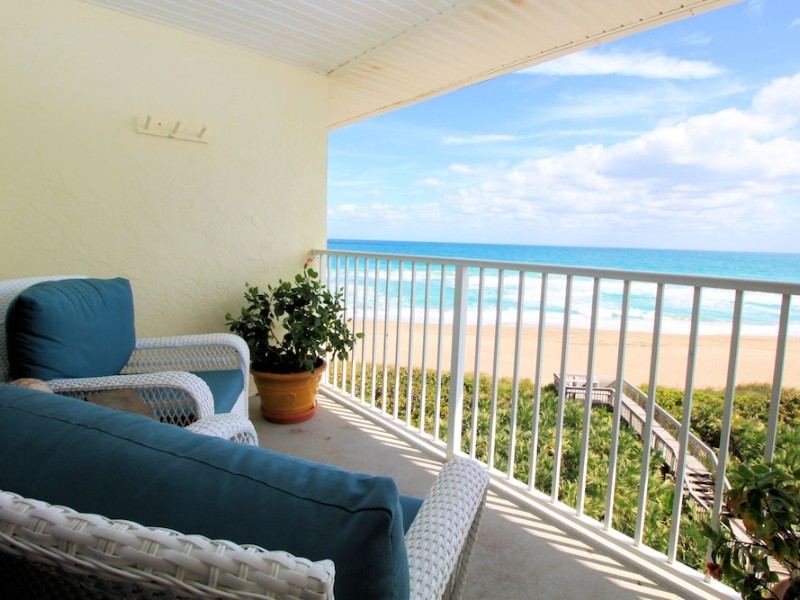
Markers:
121,465
71,328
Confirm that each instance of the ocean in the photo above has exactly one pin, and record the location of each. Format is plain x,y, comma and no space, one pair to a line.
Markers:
760,315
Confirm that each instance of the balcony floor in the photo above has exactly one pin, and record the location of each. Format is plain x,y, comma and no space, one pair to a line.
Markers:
517,554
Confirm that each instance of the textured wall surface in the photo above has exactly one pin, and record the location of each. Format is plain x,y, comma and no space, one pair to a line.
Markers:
82,192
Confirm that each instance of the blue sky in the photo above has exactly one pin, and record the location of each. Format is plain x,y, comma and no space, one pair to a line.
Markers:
685,136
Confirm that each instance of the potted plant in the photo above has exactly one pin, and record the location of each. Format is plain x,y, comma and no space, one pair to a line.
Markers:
756,549
290,329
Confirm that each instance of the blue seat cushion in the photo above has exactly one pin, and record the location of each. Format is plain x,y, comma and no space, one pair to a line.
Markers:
225,386
121,465
71,328
410,506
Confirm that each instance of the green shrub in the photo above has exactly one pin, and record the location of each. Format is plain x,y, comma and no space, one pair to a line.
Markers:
764,499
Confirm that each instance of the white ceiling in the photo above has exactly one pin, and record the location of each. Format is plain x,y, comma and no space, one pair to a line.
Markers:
384,54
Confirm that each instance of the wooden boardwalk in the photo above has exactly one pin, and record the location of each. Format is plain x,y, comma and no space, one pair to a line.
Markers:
698,480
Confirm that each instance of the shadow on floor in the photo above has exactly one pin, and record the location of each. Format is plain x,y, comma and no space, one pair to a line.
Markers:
517,555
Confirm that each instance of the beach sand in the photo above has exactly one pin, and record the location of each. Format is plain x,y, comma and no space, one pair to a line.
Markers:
755,364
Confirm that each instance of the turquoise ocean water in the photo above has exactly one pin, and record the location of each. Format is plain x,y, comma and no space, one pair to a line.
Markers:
761,311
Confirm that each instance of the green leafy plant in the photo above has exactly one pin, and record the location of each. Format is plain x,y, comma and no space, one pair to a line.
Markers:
758,540
293,325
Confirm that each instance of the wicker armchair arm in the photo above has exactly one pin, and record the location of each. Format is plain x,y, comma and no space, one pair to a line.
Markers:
440,539
229,426
173,395
202,352
85,552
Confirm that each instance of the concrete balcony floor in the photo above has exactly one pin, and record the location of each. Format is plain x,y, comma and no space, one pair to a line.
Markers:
518,555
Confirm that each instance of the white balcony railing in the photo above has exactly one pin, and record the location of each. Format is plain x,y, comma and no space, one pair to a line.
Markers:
455,351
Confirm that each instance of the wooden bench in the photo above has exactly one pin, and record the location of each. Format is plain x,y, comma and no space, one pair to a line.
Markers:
575,388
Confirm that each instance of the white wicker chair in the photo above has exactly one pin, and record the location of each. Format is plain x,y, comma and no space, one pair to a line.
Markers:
158,371
50,551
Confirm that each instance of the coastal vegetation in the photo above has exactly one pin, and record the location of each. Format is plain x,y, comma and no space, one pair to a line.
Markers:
495,402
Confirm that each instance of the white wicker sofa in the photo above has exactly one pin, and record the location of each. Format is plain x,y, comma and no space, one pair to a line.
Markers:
92,501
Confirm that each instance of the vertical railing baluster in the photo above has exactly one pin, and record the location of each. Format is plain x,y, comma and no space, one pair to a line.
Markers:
336,362
587,408
727,414
537,396
455,407
498,330
647,435
325,277
324,271
352,361
398,337
777,380
363,342
512,446
613,454
411,325
562,392
476,391
386,308
440,348
423,393
374,373
683,434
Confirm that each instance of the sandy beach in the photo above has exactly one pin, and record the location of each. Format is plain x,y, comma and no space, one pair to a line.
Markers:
755,364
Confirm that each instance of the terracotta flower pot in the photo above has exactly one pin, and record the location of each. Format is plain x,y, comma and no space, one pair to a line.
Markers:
288,398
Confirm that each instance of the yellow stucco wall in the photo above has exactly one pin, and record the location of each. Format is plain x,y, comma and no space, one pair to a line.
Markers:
82,192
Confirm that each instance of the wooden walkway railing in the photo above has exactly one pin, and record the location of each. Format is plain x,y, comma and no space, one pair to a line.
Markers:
701,461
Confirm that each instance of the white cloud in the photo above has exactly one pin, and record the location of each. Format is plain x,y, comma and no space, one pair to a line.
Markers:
593,105
463,169
353,183
382,212
795,23
429,181
722,179
452,140
344,209
698,39
650,65
756,6
722,169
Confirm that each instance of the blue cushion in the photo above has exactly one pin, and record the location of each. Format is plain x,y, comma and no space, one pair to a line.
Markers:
71,328
410,508
226,386
122,465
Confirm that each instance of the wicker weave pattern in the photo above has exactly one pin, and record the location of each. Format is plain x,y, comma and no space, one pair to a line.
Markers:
174,397
440,539
90,550
168,394
205,352
228,426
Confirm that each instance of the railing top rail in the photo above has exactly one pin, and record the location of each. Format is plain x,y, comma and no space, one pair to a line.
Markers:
730,283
